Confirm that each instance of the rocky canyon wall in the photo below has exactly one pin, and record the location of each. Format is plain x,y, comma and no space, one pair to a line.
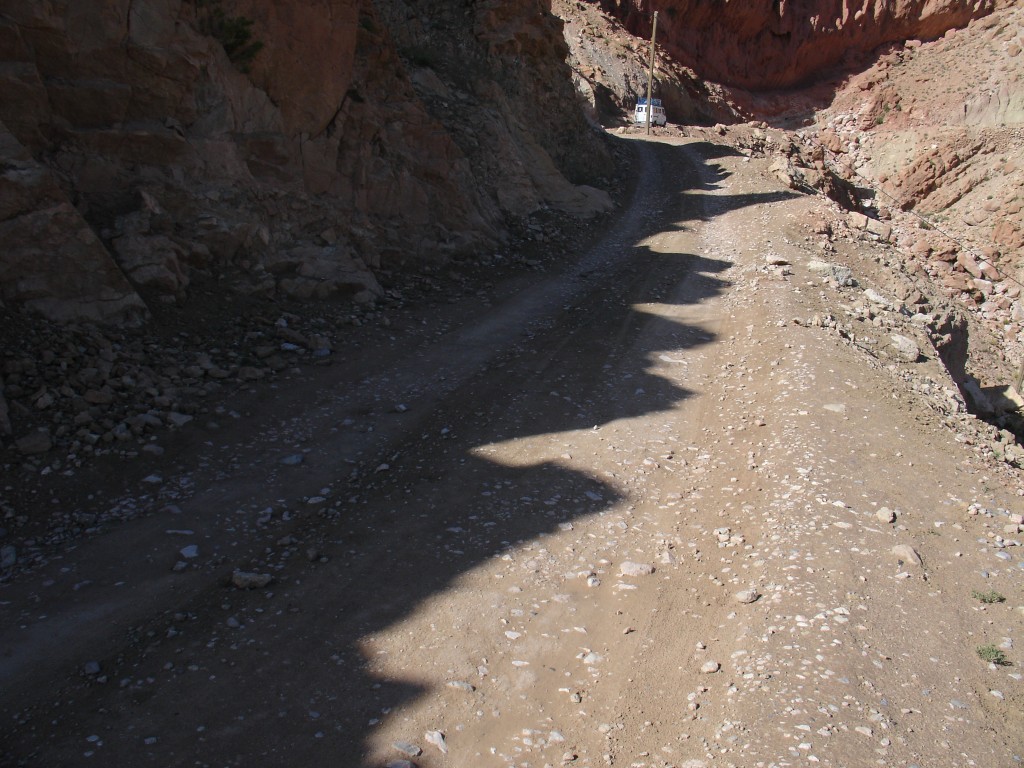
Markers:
288,149
770,44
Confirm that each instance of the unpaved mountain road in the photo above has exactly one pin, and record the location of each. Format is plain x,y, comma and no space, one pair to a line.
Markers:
627,516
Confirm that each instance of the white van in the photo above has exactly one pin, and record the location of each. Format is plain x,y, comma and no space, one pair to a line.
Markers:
657,112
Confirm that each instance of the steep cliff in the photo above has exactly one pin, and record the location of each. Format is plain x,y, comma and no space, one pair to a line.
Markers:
765,44
611,65
276,147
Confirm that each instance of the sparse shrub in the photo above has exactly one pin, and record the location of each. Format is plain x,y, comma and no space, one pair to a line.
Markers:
992,655
989,597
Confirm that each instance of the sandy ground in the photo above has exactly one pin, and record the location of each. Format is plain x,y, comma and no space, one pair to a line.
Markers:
631,514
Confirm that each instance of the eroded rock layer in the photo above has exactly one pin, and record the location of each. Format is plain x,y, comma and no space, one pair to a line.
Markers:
765,44
280,148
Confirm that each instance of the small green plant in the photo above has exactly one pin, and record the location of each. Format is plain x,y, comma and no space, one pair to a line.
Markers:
989,597
234,33
992,655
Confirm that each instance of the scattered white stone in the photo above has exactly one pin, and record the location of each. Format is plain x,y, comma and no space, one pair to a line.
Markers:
710,667
885,515
189,552
436,738
878,299
747,596
904,348
630,568
907,554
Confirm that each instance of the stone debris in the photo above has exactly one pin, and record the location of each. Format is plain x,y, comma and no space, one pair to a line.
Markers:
904,348
885,515
437,739
629,568
407,748
841,275
721,498
907,554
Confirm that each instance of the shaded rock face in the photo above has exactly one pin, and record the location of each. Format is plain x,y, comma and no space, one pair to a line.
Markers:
138,152
768,44
51,261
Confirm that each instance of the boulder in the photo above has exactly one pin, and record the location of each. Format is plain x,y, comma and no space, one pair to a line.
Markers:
903,348
52,262
152,261
322,271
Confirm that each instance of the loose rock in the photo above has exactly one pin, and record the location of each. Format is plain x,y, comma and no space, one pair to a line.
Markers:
907,554
437,739
250,580
747,596
630,568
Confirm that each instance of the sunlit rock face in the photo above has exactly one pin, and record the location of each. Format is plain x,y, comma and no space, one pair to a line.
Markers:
767,44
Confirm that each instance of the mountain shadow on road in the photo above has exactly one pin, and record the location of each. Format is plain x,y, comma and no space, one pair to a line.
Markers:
293,677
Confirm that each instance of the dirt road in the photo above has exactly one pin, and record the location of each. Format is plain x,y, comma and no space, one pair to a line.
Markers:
630,514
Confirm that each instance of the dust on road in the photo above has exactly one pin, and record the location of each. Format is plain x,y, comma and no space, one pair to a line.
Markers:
631,515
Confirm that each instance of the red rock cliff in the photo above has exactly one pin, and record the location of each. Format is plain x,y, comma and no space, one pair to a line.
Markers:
768,44
273,146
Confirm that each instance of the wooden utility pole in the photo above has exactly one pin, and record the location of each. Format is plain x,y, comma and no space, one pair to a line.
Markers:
650,74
